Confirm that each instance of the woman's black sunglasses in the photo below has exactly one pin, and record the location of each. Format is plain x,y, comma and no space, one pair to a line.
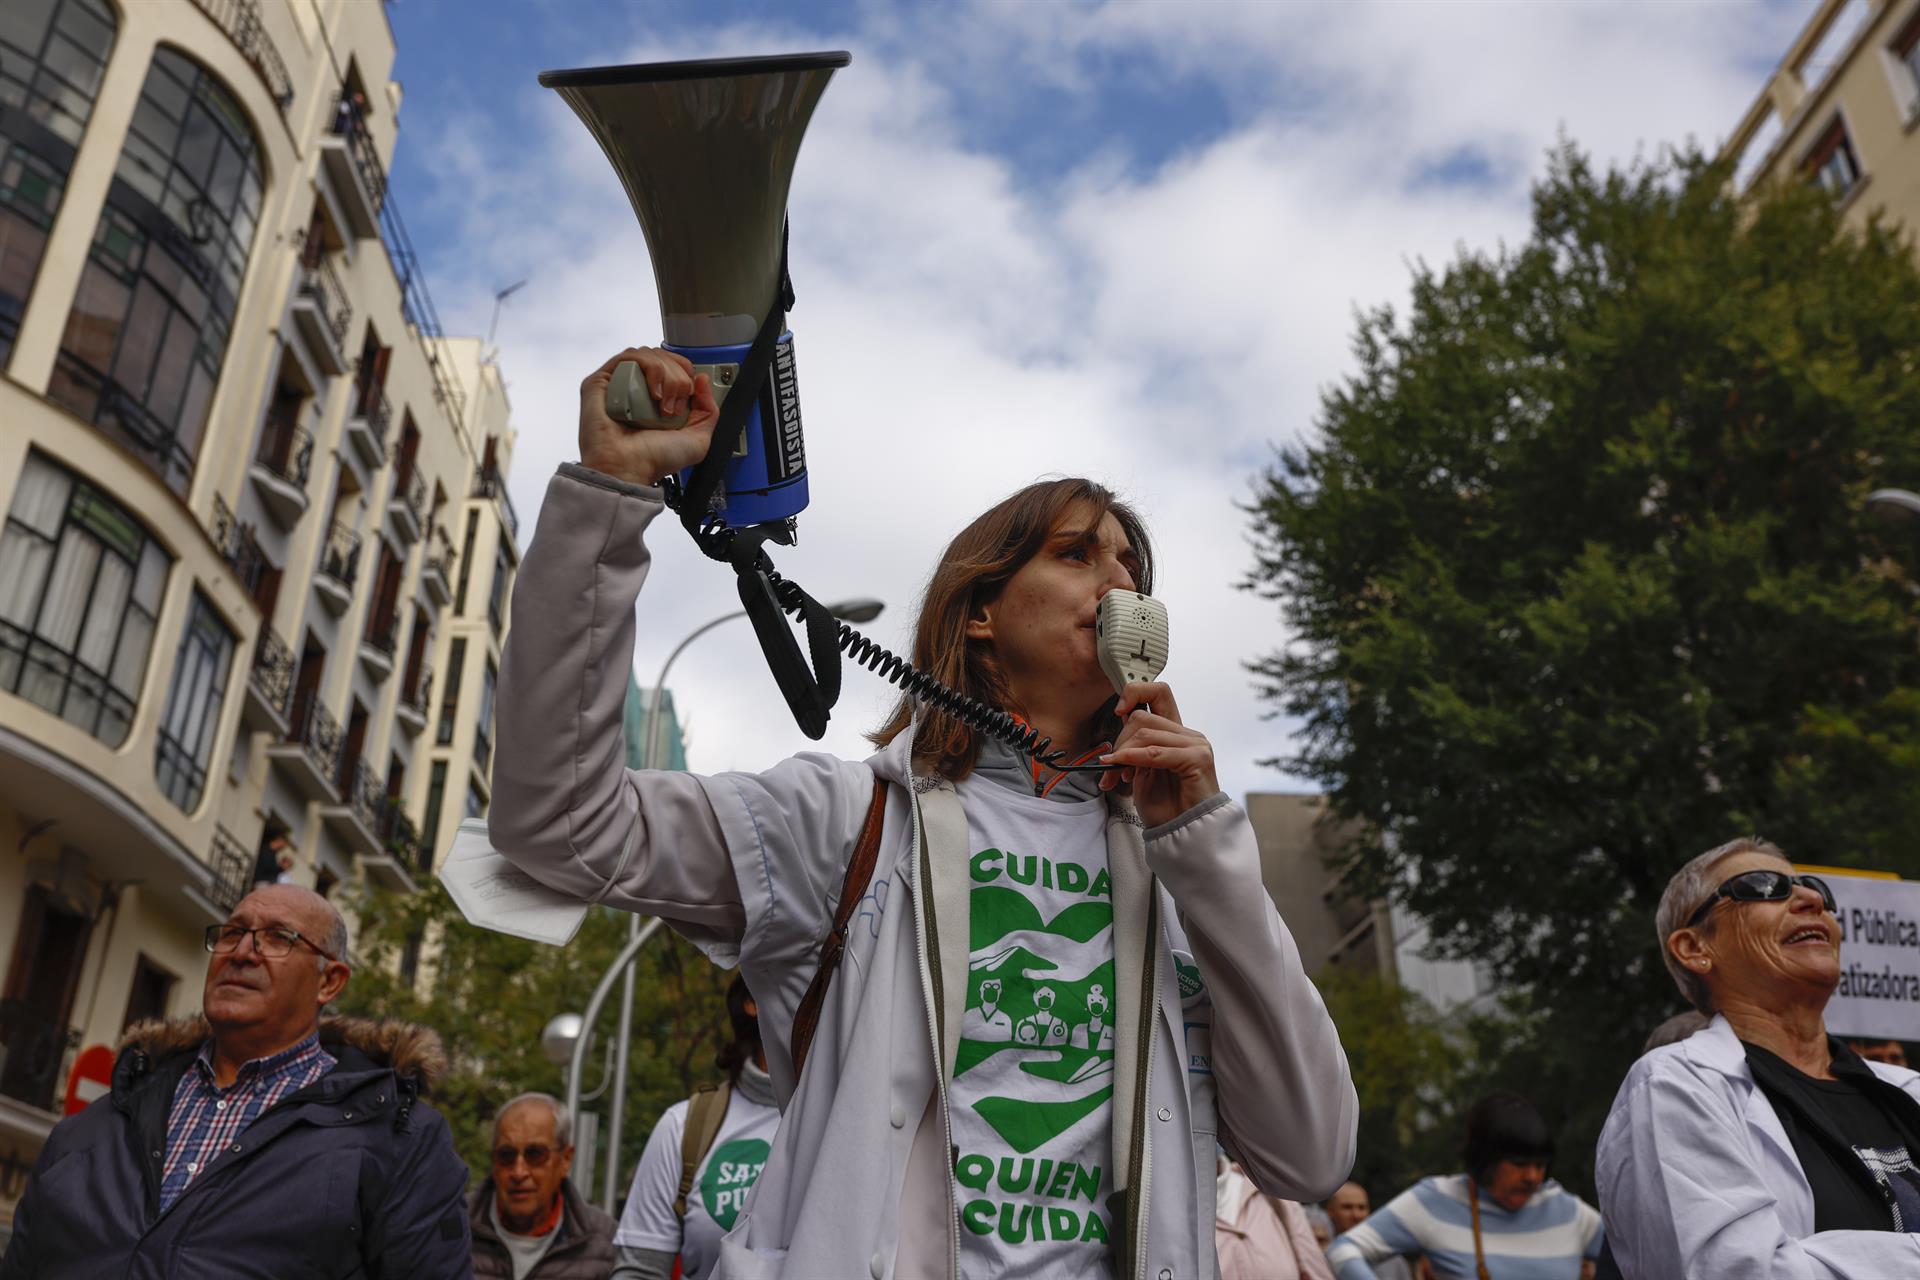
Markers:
1761,886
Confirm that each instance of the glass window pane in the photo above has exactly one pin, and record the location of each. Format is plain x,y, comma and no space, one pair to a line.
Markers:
153,577
199,139
130,663
140,338
24,23
67,591
41,499
105,611
24,558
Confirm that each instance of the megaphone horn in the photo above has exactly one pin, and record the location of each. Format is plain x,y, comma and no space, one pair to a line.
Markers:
705,150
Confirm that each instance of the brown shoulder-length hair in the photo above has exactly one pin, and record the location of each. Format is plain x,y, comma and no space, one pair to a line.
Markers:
971,574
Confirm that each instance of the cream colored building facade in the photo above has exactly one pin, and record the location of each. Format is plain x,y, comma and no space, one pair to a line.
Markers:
256,546
1843,109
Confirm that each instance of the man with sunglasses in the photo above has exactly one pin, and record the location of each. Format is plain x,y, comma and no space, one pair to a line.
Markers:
528,1221
255,1138
1760,1145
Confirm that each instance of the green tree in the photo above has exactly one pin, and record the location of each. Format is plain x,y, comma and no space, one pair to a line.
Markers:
1580,583
489,996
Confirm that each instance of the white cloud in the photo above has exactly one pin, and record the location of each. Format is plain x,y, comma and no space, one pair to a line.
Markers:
965,325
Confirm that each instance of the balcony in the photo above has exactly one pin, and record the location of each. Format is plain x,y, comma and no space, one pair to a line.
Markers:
404,859
240,19
489,483
310,753
238,547
367,421
409,506
232,870
353,168
339,566
412,709
269,684
116,414
436,575
376,647
280,468
321,312
358,816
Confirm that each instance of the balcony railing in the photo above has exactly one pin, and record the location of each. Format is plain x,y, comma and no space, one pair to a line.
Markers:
240,19
402,840
340,557
410,486
121,417
232,869
321,283
318,733
363,794
420,693
272,674
366,158
371,406
381,631
489,483
238,547
286,450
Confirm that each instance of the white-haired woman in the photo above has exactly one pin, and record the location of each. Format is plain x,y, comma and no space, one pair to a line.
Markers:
1761,1146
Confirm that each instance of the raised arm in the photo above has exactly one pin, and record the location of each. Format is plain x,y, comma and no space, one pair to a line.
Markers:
1288,1110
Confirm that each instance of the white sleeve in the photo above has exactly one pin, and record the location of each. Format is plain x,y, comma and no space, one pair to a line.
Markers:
1681,1195
649,1222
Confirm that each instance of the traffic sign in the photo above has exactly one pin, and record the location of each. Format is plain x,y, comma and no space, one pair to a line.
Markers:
91,1077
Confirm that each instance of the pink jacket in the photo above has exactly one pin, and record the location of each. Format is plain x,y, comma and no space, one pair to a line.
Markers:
1268,1239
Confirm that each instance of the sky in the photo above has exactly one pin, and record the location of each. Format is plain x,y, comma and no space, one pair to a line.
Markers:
1126,241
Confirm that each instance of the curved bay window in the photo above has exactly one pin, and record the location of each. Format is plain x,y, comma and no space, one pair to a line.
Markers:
193,706
80,584
52,55
151,319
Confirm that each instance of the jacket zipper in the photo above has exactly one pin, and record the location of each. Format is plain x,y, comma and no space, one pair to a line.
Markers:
930,988
1138,1170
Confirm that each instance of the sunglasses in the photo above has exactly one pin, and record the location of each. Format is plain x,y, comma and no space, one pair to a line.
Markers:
536,1156
1761,886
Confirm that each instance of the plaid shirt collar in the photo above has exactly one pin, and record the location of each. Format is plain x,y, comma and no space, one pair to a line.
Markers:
306,1061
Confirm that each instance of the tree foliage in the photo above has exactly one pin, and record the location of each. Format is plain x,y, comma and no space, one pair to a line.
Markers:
490,995
1581,583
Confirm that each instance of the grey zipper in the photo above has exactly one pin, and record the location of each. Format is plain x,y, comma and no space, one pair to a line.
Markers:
930,989
1139,1170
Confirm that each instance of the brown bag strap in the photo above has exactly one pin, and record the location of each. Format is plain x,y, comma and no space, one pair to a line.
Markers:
705,1113
1479,1254
866,853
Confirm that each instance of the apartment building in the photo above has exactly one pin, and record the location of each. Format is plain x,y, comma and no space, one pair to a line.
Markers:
1842,109
256,546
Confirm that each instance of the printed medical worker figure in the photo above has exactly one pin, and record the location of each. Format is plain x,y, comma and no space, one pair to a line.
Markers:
987,1022
1097,1031
1041,1027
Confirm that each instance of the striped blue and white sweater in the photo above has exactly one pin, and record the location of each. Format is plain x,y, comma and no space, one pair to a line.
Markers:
1546,1240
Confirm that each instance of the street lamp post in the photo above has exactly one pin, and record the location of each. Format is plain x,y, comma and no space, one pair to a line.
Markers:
855,610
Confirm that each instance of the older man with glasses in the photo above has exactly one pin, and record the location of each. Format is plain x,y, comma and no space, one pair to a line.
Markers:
256,1138
528,1222
1760,1145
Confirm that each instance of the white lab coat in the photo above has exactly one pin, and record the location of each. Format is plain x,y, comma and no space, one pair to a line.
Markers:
1698,1180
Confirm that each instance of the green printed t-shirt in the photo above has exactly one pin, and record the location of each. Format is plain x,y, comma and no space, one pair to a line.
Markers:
1032,1097
720,1185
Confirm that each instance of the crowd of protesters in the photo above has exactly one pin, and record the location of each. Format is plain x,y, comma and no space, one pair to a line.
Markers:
1172,1065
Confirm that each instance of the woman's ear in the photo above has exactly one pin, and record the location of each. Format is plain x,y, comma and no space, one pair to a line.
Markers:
980,625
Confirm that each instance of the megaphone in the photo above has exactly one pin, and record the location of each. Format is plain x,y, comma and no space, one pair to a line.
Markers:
705,150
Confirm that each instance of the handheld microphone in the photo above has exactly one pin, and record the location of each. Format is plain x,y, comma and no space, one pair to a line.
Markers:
1131,631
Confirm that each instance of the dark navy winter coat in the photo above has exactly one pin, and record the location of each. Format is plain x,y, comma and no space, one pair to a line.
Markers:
351,1176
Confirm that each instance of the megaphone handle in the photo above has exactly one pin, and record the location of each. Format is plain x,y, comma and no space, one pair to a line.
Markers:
629,401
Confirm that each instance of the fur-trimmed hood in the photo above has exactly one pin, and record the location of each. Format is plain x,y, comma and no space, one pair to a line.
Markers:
409,1049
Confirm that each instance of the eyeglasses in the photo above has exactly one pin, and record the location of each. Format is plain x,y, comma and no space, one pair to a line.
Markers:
273,941
536,1156
1761,886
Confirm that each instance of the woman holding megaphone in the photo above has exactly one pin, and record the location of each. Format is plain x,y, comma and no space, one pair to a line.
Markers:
1057,988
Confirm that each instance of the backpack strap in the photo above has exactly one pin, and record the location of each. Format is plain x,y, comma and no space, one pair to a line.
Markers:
866,853
705,1110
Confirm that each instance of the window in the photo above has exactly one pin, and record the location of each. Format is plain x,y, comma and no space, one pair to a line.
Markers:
483,723
1905,49
476,803
466,564
436,797
80,584
149,324
497,600
1832,162
37,1006
193,707
152,986
450,692
52,54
